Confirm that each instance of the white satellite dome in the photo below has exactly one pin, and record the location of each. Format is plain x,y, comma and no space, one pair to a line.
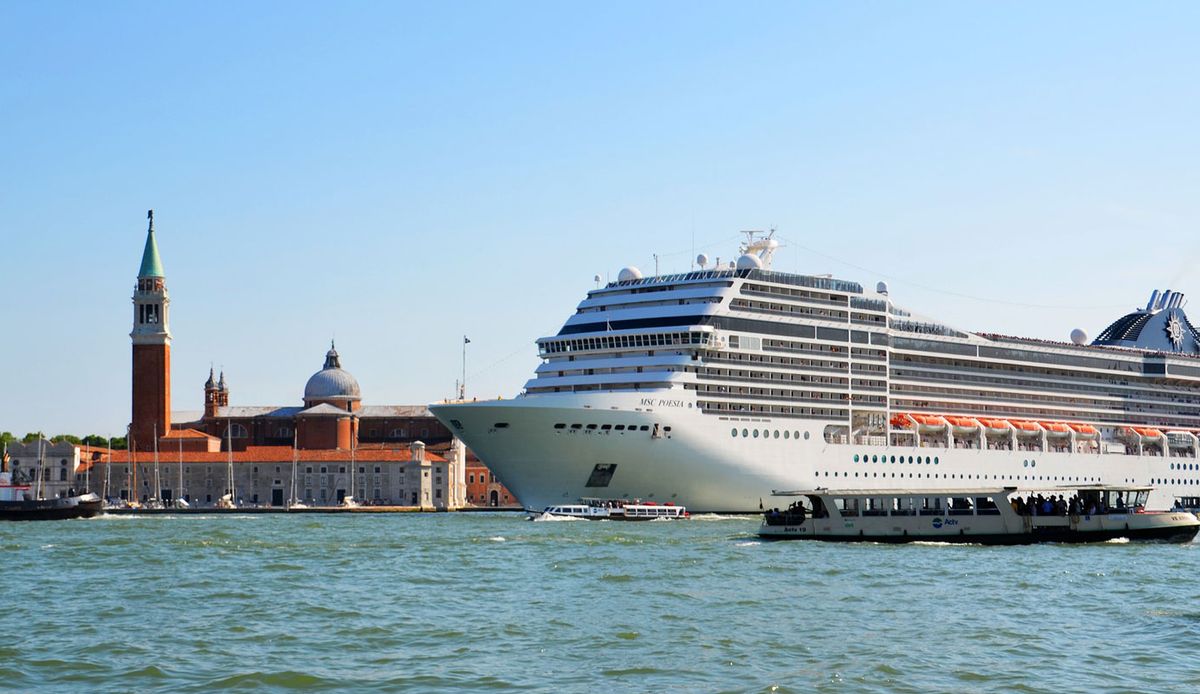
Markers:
1079,337
749,262
702,260
881,287
628,274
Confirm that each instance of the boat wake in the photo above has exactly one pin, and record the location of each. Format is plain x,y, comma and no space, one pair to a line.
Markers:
551,518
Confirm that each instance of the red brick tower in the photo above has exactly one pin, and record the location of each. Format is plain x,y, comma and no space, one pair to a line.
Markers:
151,349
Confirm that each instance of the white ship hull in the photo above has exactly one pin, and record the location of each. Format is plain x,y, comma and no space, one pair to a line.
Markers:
698,463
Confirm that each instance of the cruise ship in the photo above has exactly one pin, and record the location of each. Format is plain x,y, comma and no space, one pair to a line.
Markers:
714,387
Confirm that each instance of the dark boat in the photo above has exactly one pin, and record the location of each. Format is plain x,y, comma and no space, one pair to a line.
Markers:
17,503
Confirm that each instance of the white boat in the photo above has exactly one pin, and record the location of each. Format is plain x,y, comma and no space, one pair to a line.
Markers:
984,515
611,509
707,387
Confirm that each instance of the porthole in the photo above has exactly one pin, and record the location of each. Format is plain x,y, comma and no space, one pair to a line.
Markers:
745,433
1033,463
1025,463
910,459
856,457
806,436
756,433
733,433
787,434
874,459
935,460
776,434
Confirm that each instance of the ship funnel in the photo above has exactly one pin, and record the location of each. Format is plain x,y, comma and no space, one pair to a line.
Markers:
1153,300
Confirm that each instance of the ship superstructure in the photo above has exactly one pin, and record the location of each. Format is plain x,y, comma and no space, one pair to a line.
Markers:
711,388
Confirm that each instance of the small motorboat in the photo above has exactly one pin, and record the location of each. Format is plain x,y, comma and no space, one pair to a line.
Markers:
611,509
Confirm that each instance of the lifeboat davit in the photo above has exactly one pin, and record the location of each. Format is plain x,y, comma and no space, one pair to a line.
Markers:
1085,431
1181,439
901,420
1057,430
1024,428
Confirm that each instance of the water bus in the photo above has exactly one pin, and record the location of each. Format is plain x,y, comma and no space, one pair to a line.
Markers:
985,515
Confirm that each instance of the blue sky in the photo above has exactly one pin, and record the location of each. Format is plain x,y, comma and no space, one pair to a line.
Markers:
398,174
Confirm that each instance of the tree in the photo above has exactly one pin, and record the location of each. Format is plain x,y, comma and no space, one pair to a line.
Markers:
32,436
7,438
58,438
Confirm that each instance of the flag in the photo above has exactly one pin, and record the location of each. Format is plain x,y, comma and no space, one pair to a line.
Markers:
466,340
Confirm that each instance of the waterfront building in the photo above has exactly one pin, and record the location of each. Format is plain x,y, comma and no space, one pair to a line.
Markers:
387,443
49,468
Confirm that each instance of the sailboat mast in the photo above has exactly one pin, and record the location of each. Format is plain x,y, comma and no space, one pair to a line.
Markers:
180,470
108,471
157,481
41,466
229,465
292,502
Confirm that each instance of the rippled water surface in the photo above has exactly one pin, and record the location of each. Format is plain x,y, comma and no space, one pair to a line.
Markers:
493,602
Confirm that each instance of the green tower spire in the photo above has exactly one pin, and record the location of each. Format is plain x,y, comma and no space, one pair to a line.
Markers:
151,263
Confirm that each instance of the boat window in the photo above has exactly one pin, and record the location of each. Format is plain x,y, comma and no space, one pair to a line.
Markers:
733,432
645,427
591,426
560,426
961,506
787,434
931,506
985,506
876,506
847,506
501,425
904,506
605,427
619,427
576,426
745,433
756,433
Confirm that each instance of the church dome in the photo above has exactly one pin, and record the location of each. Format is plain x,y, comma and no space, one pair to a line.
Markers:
332,382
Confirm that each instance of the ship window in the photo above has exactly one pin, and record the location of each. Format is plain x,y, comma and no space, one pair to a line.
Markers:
756,433
733,432
666,428
893,459
910,459
501,425
776,433
745,432
935,461
645,427
874,459
787,434
560,425
619,427
605,427
576,426
856,457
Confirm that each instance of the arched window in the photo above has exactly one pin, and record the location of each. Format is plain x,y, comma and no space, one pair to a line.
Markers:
236,430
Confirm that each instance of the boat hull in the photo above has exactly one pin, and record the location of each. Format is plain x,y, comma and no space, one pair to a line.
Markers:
730,464
1172,527
86,506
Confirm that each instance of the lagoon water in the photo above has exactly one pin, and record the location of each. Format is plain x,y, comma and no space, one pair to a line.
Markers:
491,602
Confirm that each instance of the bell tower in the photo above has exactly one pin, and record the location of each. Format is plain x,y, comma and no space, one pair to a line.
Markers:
151,348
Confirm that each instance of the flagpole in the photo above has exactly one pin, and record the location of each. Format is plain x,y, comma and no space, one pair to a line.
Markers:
462,385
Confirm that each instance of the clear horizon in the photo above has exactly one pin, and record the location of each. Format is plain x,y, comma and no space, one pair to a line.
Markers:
396,176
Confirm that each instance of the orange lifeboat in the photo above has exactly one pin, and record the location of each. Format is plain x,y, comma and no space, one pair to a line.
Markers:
1024,428
930,423
1056,429
901,421
995,426
963,425
1085,431
1142,434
